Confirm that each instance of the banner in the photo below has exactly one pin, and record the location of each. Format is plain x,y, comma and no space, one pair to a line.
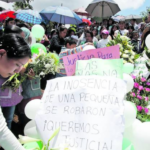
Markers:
112,52
108,68
87,109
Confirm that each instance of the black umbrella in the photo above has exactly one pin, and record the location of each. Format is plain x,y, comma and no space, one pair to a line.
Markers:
102,8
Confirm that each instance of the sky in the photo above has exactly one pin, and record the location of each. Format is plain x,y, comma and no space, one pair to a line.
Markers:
127,6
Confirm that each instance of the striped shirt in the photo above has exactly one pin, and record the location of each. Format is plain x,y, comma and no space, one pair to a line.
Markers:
66,52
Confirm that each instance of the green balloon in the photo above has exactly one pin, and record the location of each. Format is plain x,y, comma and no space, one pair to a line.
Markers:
55,57
38,31
126,144
33,145
36,47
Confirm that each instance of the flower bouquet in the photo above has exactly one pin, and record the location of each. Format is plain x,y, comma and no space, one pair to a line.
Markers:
126,48
38,144
41,64
140,95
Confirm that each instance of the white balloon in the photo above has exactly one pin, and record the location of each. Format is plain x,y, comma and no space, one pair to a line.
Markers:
129,113
128,133
142,137
129,81
88,47
32,108
147,41
30,130
33,40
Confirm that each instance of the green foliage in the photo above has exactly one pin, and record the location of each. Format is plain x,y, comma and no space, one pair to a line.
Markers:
142,89
42,65
22,5
145,13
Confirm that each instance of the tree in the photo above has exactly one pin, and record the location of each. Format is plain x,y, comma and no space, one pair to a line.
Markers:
22,5
144,14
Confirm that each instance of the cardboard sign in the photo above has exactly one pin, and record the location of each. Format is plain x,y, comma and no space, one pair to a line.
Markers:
112,52
108,68
87,109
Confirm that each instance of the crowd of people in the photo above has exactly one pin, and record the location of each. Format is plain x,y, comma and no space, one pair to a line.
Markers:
15,42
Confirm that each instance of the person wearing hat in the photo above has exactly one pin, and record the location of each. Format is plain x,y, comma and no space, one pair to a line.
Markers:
122,30
104,41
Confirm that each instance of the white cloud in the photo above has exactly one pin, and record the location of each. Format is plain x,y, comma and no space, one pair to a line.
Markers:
5,5
125,4
73,4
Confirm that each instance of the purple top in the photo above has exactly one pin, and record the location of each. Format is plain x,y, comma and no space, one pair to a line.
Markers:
9,98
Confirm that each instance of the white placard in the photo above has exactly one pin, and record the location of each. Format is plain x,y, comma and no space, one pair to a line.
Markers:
88,110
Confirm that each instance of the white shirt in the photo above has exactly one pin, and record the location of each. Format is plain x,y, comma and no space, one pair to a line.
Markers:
122,32
7,140
102,43
136,27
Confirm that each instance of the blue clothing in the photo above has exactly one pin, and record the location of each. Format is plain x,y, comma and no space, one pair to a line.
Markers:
8,113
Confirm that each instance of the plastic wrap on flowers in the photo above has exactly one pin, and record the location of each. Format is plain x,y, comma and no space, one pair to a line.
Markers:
126,48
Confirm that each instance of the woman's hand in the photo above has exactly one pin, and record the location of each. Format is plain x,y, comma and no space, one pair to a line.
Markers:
31,74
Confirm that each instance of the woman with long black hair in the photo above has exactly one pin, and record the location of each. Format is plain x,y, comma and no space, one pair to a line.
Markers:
14,53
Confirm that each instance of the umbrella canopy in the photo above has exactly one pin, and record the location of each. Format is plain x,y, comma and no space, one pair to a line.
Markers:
8,1
103,8
137,17
29,16
87,21
118,18
81,12
7,13
61,15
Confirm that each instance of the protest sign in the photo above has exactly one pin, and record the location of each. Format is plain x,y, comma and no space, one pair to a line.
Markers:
87,109
109,68
141,68
111,52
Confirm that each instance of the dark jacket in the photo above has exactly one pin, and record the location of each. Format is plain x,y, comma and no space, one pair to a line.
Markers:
56,44
137,46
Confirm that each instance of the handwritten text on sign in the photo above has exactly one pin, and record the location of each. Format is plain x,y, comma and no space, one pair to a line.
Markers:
103,53
110,67
88,110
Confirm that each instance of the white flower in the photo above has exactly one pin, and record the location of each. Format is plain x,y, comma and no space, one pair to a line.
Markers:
42,74
47,66
25,139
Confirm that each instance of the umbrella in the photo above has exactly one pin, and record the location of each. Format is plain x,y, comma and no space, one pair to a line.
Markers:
118,18
29,16
61,15
7,13
81,12
137,17
103,8
8,1
87,21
